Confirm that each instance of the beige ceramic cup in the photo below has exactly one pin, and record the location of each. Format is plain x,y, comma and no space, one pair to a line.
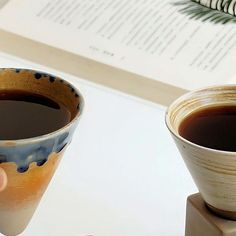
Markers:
213,171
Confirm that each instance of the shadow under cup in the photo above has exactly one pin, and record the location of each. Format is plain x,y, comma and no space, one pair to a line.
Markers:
30,163
213,171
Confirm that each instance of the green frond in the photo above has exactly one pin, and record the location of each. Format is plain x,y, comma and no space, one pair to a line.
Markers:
196,11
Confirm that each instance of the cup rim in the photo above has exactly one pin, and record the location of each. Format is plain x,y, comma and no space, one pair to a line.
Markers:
183,97
57,132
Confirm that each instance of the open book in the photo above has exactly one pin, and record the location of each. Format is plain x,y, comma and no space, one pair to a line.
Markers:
144,47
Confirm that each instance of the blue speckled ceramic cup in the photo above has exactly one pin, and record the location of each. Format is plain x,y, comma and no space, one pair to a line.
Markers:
30,163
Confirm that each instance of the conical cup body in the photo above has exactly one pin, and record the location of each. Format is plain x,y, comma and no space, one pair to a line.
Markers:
31,162
20,199
213,171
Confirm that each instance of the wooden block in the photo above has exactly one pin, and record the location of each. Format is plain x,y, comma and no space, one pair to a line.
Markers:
202,222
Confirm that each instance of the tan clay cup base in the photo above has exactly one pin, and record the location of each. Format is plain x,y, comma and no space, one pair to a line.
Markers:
230,215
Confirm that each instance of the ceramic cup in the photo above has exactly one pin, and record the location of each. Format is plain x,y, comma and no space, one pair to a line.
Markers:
213,171
30,163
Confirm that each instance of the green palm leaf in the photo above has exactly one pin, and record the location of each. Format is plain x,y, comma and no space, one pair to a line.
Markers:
198,12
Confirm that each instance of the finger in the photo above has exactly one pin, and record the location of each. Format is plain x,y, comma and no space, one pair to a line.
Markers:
3,179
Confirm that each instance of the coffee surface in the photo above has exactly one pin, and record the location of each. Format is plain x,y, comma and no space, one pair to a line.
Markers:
26,115
213,127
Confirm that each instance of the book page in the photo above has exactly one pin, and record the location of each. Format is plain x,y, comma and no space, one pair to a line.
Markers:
147,37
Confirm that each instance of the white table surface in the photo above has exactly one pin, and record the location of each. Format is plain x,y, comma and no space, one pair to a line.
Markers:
122,174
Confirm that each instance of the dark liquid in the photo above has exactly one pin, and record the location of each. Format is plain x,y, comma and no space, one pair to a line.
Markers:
26,115
211,127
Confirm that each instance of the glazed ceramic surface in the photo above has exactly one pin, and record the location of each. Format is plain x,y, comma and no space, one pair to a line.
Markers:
213,171
30,163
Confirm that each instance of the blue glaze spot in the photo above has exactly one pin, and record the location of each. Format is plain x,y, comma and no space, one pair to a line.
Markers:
3,158
41,162
78,107
60,149
62,141
22,169
52,79
18,70
69,86
76,95
72,90
37,76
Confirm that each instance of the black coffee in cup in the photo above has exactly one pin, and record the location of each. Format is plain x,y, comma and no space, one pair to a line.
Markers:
25,115
211,127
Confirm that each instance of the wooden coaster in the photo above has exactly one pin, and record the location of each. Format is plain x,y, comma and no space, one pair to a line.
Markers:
201,222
